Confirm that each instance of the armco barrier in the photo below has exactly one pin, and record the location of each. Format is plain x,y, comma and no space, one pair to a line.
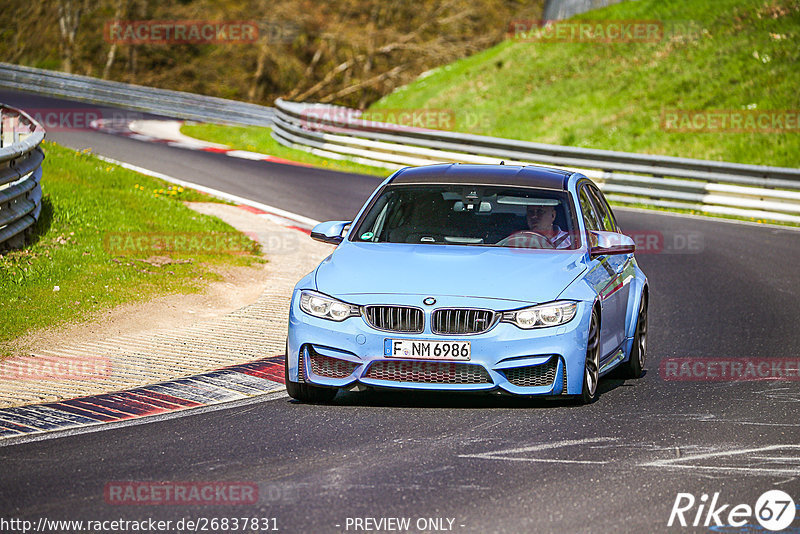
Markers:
564,9
717,187
20,173
751,191
175,104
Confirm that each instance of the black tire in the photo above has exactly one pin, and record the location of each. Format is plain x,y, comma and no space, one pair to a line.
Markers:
591,370
634,367
305,392
294,389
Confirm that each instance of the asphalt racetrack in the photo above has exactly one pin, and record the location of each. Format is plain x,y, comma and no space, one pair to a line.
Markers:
462,463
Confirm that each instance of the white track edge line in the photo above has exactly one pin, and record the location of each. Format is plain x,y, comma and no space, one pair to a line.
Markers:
300,219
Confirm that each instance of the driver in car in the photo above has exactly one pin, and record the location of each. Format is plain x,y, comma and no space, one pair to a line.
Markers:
542,220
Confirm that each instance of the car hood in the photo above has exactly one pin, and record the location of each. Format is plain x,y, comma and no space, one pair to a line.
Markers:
529,276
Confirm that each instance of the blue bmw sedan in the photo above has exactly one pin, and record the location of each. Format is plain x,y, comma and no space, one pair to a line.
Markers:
479,278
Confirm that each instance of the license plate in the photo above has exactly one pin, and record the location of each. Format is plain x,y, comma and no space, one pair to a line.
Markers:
426,350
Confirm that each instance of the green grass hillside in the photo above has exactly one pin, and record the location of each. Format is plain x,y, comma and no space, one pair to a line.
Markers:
739,55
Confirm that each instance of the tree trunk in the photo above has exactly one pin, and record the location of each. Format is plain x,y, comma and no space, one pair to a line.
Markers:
256,91
69,18
121,9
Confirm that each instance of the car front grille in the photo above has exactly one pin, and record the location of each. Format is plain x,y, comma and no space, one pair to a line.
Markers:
395,318
428,372
533,375
462,321
330,367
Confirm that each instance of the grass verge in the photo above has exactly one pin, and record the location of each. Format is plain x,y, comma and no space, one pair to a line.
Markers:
108,236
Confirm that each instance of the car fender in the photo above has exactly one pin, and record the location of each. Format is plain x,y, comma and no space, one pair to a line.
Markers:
308,281
580,289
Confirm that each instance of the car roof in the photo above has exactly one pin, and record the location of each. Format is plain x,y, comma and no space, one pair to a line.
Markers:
458,173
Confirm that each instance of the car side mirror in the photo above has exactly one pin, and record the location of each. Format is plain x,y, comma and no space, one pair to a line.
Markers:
607,243
330,232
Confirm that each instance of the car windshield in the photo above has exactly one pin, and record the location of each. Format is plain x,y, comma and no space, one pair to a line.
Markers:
503,216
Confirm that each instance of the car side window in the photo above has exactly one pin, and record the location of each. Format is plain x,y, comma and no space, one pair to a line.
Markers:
590,218
604,211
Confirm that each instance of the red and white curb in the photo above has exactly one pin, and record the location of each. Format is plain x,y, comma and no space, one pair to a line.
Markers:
168,133
226,385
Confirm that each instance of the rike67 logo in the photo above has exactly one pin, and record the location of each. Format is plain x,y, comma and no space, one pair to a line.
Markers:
774,510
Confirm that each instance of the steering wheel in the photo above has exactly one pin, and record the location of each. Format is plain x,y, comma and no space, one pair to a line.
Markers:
526,239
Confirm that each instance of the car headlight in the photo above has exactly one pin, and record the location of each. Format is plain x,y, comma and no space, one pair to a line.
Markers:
543,315
326,307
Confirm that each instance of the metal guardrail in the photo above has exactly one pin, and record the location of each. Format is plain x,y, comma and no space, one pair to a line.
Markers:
715,187
710,186
175,104
20,173
564,9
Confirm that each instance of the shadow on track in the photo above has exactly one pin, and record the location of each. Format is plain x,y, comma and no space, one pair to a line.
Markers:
386,398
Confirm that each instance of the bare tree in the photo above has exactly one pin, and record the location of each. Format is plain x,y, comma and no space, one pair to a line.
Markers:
120,8
369,53
348,51
69,19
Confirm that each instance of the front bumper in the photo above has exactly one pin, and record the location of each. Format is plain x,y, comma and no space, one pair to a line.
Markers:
546,361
